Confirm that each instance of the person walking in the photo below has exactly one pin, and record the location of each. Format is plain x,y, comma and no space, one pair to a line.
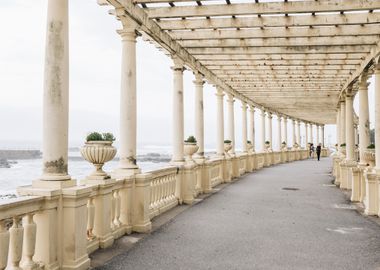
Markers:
318,150
311,151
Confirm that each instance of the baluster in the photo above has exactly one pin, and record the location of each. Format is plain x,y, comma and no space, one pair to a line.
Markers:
166,189
113,203
4,245
90,218
156,192
117,209
160,191
30,231
15,245
151,195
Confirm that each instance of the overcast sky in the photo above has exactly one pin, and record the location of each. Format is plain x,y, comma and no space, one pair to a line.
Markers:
95,51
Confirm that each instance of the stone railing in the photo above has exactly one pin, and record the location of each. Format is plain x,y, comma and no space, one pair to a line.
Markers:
18,232
59,228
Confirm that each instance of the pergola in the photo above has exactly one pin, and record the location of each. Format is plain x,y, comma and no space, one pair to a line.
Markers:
291,57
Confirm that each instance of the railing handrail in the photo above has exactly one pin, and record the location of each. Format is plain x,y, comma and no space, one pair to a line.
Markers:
20,206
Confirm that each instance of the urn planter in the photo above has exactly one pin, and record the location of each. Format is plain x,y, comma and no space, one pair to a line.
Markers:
227,147
98,153
189,150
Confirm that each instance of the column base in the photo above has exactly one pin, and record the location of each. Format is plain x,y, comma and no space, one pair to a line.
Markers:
54,184
122,173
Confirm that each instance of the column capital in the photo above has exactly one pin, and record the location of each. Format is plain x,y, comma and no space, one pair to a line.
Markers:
244,105
269,114
127,34
219,92
199,78
230,98
178,64
252,107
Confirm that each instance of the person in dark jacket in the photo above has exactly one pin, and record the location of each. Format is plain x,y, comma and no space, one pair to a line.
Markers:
318,150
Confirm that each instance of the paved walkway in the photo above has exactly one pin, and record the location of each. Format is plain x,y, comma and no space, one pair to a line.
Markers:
255,224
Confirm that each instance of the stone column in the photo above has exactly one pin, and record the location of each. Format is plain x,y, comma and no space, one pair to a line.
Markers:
269,130
286,130
244,126
231,122
377,117
56,98
219,122
323,136
251,132
178,111
199,114
263,132
364,135
294,132
311,133
279,133
350,142
299,133
338,126
128,126
306,134
342,121
318,134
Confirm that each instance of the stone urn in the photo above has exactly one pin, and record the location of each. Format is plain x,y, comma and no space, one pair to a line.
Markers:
249,147
267,146
190,148
98,153
284,146
227,147
369,157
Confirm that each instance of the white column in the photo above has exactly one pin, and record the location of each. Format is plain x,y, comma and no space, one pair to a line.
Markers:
350,141
294,131
231,122
285,130
269,130
377,116
219,122
199,114
312,133
252,126
244,126
279,133
299,133
178,111
318,134
127,149
338,126
364,136
323,136
342,122
56,93
263,132
306,134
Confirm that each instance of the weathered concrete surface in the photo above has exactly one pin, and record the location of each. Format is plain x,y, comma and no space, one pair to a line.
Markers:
255,224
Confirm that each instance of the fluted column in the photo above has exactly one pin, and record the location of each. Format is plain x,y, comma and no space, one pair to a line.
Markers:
312,133
306,134
128,125
231,122
56,94
244,126
364,135
279,133
269,130
342,121
263,132
199,114
251,132
299,133
338,126
377,116
323,136
318,134
178,111
285,130
219,122
350,141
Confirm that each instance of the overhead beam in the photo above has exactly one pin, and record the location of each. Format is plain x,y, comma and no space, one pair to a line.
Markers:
333,31
282,50
269,57
275,68
279,62
272,21
263,8
281,42
278,72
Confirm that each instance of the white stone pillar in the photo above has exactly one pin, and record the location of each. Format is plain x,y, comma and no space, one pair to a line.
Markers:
199,114
178,111
279,133
364,135
128,125
342,122
338,127
294,131
56,96
323,136
263,132
299,133
269,130
252,126
285,130
244,126
219,122
306,134
311,133
350,141
318,134
231,122
377,117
